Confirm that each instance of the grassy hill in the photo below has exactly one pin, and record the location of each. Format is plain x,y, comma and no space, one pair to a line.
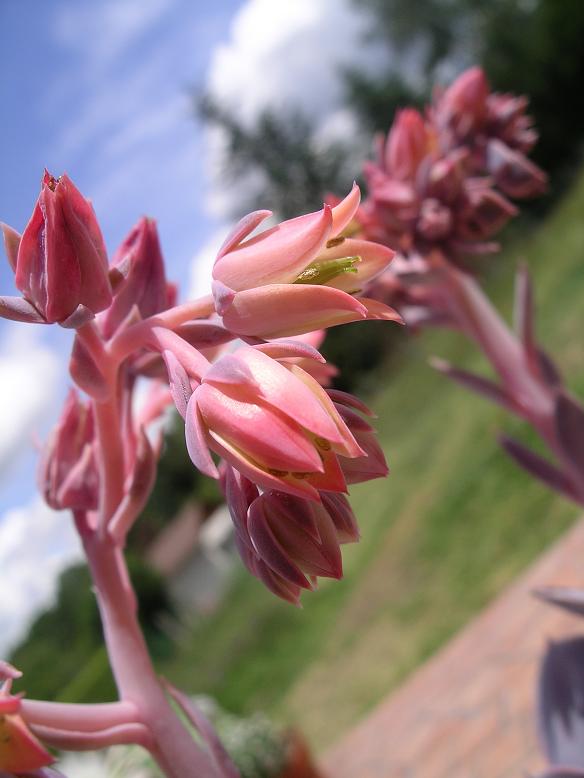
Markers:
450,527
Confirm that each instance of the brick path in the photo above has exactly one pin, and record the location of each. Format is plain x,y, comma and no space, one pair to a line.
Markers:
469,711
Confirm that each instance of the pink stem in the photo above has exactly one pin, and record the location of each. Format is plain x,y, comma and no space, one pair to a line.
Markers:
481,322
79,740
138,335
170,743
107,417
174,748
86,718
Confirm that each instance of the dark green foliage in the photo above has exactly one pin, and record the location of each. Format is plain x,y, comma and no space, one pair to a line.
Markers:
436,27
356,349
536,49
377,98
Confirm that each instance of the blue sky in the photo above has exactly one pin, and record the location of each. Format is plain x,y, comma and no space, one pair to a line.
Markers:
103,91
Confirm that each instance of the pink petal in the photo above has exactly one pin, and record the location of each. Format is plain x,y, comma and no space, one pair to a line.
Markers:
378,310
278,255
281,481
342,515
242,229
281,310
344,212
262,432
272,383
197,441
349,399
348,446
270,548
282,349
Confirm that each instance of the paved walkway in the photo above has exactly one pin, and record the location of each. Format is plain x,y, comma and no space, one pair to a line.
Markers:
469,711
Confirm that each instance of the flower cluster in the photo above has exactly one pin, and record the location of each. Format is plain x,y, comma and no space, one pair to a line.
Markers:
242,368
439,189
288,541
260,407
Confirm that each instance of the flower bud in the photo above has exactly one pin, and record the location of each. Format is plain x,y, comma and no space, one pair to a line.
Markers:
20,751
514,174
435,220
286,541
138,277
407,144
62,262
68,475
372,464
462,107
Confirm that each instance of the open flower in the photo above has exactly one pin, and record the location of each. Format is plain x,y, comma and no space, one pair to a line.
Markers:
266,416
60,261
298,276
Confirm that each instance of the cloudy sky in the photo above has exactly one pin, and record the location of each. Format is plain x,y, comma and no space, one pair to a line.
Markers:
104,92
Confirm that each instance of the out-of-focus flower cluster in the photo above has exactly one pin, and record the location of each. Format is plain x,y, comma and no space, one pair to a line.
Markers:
441,185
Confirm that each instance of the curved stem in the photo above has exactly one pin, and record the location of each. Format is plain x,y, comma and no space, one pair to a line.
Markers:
173,746
76,716
79,740
138,335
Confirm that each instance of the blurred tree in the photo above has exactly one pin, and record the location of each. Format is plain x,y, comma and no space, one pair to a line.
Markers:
295,171
536,48
375,99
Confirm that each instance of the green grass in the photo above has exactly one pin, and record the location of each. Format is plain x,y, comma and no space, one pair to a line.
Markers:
450,527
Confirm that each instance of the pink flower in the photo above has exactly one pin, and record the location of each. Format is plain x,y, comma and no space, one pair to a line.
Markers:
297,276
286,541
20,751
494,128
514,174
372,463
462,108
408,142
267,417
137,273
60,262
68,475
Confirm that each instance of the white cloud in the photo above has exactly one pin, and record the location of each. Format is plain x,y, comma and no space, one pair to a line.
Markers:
29,388
36,544
282,54
288,56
